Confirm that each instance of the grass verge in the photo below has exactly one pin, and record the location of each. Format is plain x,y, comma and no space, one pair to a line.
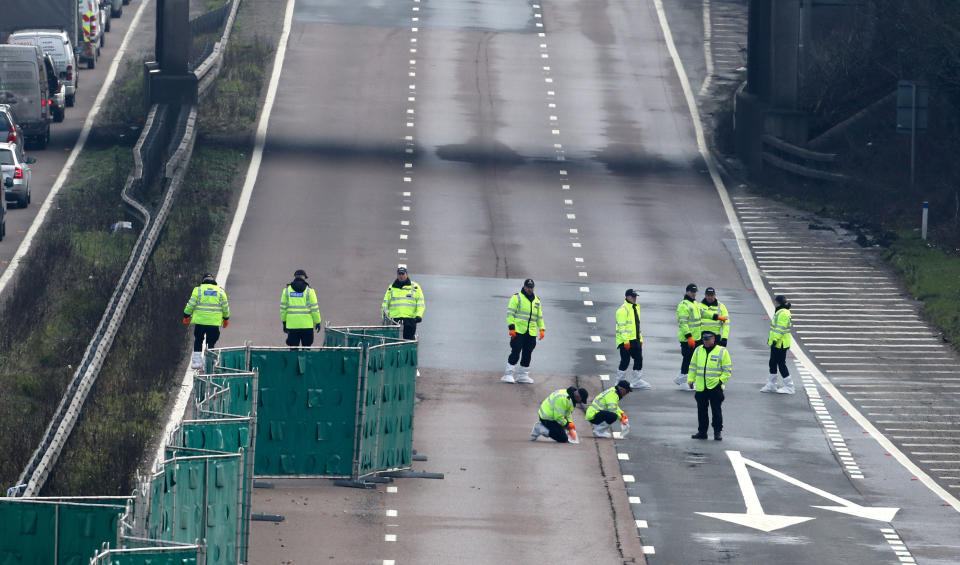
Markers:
58,300
933,277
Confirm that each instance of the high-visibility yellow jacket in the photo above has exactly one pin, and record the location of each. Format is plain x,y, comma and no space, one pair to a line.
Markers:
208,305
403,302
709,369
557,407
606,400
708,323
299,309
780,326
628,323
688,319
525,315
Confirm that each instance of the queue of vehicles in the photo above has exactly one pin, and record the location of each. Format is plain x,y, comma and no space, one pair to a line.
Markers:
46,41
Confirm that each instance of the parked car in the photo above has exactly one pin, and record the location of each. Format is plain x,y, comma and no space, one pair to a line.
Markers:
10,124
56,43
16,166
24,84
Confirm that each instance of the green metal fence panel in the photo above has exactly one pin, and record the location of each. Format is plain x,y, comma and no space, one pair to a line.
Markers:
357,336
223,510
61,533
231,436
200,498
370,411
149,556
395,442
230,360
219,394
306,416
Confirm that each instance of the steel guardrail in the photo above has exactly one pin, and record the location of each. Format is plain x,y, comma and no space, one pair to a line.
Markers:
208,70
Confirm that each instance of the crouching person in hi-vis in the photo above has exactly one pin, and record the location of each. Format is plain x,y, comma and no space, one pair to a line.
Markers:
556,414
208,309
605,409
710,368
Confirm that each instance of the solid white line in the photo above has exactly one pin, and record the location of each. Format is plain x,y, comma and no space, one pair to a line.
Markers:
757,281
226,259
41,216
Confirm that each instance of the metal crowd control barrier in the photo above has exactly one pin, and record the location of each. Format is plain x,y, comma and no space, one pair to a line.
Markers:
195,509
344,410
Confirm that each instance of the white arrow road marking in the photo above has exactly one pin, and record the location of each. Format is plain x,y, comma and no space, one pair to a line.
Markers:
754,516
872,512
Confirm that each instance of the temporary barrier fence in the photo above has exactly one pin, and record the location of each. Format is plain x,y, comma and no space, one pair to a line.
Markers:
57,531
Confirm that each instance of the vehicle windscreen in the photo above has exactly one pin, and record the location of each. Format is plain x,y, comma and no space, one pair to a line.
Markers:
4,123
19,83
6,157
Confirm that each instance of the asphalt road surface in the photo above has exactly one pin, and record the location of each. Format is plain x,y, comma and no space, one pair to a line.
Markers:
481,143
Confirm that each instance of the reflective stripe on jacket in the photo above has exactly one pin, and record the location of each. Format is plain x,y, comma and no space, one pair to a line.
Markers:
557,407
299,310
208,305
780,326
707,312
709,369
406,302
606,400
628,323
525,315
688,319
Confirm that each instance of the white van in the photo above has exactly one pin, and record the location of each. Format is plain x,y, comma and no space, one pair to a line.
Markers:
24,85
56,43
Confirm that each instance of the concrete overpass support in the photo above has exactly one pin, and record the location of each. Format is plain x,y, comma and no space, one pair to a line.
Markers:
168,80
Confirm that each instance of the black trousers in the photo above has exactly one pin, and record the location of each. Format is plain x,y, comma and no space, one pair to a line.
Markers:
521,347
604,416
557,432
714,398
212,333
300,337
778,360
636,353
409,328
687,353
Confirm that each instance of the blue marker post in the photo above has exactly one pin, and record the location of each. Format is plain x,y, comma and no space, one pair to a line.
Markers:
923,223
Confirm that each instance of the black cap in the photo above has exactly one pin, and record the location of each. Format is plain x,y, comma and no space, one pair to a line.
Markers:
629,292
529,282
401,270
207,276
692,287
710,290
300,272
624,385
584,395
707,334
